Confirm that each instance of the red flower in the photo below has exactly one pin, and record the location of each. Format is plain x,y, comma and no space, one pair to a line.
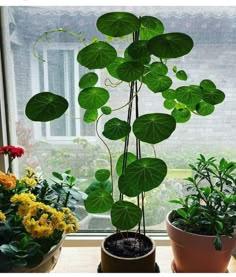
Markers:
12,151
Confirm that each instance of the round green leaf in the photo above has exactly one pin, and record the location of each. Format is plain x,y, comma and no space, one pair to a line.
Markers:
181,115
159,68
99,201
115,129
181,75
169,104
204,108
174,69
106,110
97,55
88,80
112,68
189,95
157,83
150,27
154,128
207,85
130,71
169,94
119,165
107,186
102,175
46,106
141,176
171,45
138,50
90,116
125,215
93,98
117,24
213,96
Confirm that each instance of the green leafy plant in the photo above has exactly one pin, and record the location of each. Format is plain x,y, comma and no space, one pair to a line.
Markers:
34,215
209,208
142,64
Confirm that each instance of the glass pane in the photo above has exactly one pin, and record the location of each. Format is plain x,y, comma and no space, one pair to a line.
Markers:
69,143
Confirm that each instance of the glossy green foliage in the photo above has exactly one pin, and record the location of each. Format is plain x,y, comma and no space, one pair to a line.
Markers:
130,157
115,129
90,116
88,80
150,27
102,175
46,106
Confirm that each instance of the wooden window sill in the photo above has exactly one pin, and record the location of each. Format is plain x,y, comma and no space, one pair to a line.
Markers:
86,260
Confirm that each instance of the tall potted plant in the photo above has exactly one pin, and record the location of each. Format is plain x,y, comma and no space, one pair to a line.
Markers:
202,229
143,63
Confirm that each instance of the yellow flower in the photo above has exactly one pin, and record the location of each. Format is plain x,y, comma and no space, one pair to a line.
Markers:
8,181
30,182
2,217
23,197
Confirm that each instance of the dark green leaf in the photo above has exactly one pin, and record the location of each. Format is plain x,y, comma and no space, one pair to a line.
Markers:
204,108
218,243
181,115
169,104
189,95
213,96
125,215
115,129
142,175
172,45
159,68
117,24
112,68
182,213
93,98
154,128
98,185
35,259
169,94
90,116
138,50
181,75
150,27
88,80
97,55
157,83
207,85
99,201
57,175
130,71
106,110
119,165
102,175
46,106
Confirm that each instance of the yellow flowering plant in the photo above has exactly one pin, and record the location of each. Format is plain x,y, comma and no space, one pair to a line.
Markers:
34,214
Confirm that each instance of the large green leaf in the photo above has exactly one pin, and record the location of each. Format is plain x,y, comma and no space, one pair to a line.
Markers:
125,215
130,71
115,129
93,98
204,108
171,45
106,185
141,176
154,128
112,68
88,80
46,106
150,27
97,55
117,24
159,68
181,115
157,83
90,116
213,96
102,175
189,95
119,165
99,201
169,94
138,50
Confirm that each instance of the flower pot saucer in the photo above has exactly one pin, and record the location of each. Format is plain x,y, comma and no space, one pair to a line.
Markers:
174,270
157,269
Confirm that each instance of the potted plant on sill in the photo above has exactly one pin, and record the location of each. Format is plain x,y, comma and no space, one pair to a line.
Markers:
203,228
143,63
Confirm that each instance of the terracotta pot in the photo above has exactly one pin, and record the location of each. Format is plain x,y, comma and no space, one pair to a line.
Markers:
196,253
111,263
47,264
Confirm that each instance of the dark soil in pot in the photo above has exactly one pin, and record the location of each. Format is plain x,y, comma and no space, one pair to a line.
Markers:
128,245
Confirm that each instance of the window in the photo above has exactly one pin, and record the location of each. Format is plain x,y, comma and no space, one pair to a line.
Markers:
68,142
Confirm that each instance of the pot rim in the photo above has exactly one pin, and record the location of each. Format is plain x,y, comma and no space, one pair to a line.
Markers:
132,258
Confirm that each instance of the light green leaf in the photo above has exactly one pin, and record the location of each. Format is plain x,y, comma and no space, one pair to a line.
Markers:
204,108
90,116
106,110
169,104
169,94
119,165
189,95
112,68
107,186
159,68
99,201
88,80
181,115
181,75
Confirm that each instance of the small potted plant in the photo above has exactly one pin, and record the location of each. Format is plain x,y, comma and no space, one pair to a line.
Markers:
143,67
202,230
34,216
